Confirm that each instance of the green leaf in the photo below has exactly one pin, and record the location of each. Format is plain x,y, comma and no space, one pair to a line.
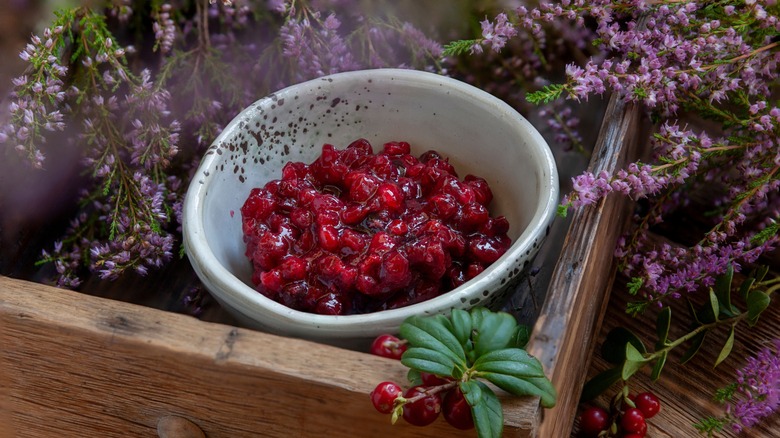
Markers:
696,343
744,288
761,273
714,305
492,331
614,347
517,372
662,324
633,354
723,292
563,210
757,302
692,311
658,366
522,336
429,361
433,333
726,350
414,377
461,327
635,360
600,383
511,361
485,408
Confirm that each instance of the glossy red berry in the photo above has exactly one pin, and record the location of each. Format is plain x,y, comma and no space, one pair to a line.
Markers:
384,395
593,420
457,411
388,346
633,421
632,435
429,379
648,403
423,411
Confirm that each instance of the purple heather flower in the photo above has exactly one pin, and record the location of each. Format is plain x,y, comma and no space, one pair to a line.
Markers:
164,29
497,33
759,384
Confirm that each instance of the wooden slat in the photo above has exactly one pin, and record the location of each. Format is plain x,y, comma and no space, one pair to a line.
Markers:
580,285
77,365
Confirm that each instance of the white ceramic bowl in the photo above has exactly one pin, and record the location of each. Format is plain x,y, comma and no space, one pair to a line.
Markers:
479,134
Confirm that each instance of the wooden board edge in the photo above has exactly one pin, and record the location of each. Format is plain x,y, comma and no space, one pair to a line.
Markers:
123,327
581,282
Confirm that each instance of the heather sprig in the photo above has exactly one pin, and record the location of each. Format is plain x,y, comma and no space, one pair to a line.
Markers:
716,60
142,118
754,395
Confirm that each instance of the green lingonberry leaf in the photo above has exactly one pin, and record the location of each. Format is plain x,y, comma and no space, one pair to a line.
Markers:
662,327
658,366
485,408
430,361
461,327
757,302
696,343
614,347
434,333
632,353
634,361
600,383
414,377
517,372
723,292
745,287
492,331
726,350
522,336
714,305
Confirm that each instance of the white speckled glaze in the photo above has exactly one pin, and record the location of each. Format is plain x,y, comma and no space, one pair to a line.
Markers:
479,134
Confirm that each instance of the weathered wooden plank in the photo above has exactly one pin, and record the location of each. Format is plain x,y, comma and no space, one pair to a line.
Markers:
580,285
78,365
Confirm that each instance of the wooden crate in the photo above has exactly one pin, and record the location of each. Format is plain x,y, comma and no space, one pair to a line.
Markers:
76,364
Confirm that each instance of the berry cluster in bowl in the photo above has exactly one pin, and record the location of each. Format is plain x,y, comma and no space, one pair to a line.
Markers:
356,232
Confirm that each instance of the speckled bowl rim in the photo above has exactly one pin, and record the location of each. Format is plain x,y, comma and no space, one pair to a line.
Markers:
253,304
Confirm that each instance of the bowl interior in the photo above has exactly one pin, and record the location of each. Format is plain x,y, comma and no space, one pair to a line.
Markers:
477,132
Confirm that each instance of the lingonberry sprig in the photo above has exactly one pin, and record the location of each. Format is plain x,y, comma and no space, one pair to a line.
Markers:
628,353
449,357
626,417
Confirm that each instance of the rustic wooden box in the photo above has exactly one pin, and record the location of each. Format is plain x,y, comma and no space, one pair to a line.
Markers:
74,364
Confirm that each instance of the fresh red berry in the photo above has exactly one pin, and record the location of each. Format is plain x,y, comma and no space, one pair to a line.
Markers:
388,346
593,420
457,411
384,395
648,403
633,421
633,435
423,411
429,379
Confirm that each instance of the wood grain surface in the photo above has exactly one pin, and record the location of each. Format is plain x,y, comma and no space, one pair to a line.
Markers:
82,366
579,289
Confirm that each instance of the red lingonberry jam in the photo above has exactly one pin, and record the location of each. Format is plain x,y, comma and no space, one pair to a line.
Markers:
358,232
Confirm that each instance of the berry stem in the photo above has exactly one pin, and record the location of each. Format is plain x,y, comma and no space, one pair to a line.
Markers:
428,391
